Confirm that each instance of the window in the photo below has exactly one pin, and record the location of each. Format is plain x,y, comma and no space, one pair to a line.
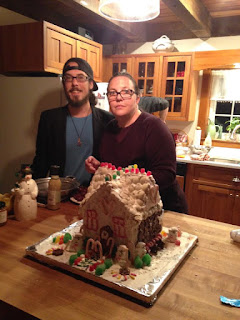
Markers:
119,227
91,220
225,97
225,110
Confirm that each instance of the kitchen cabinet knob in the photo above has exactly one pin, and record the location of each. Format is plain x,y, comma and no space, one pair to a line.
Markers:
236,179
230,194
237,195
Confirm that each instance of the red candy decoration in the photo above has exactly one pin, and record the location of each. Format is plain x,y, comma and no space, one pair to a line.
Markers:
113,168
119,168
136,170
142,170
126,170
76,261
109,165
177,242
149,173
132,170
61,240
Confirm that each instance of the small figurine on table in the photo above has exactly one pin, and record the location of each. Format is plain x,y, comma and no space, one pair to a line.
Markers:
25,191
122,259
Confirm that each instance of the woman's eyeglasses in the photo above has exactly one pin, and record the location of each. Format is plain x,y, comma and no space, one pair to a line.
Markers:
125,94
79,78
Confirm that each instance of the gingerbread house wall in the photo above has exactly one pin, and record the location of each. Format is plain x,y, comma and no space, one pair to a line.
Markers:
104,208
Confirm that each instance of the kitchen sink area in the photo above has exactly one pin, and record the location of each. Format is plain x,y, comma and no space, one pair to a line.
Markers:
216,156
225,155
230,161
231,154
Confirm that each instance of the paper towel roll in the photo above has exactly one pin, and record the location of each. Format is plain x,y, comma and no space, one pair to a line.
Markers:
197,137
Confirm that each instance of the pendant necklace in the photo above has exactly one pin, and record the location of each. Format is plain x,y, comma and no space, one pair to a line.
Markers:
79,142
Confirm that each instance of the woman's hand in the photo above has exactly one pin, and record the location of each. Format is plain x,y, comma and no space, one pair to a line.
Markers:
91,164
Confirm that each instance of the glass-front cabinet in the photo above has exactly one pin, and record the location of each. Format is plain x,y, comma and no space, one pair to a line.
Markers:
165,75
116,64
175,84
146,74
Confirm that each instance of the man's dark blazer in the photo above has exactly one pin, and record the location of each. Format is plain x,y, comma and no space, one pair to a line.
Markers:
51,138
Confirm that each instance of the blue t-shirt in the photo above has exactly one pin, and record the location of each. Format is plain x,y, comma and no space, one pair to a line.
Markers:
76,155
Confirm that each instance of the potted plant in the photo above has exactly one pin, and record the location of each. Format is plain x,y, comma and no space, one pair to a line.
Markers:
232,124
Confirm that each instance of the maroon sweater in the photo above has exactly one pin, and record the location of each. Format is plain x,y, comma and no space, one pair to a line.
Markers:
149,144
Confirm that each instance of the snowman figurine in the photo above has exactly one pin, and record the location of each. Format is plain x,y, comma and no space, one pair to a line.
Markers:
26,191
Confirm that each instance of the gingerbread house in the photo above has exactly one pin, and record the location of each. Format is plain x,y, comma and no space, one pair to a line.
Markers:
123,205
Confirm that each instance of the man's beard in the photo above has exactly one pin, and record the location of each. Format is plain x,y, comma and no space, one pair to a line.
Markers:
76,102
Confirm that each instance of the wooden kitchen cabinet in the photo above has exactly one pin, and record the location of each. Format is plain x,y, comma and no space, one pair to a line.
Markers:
42,47
117,63
59,48
92,53
166,75
179,86
213,193
146,74
144,69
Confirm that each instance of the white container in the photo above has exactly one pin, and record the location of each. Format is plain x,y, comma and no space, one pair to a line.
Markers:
163,44
197,137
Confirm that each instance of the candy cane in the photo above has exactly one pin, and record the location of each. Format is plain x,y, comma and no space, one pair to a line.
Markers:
90,241
98,245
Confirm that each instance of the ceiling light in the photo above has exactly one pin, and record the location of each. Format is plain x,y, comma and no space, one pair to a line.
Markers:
130,10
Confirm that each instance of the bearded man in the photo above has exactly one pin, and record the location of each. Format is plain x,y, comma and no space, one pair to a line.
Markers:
70,134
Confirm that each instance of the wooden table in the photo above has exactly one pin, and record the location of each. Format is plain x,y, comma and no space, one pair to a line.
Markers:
211,269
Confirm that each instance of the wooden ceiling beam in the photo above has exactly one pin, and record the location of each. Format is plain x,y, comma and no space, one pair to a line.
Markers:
193,15
67,13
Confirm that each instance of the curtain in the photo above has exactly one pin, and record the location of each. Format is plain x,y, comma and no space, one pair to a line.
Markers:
225,84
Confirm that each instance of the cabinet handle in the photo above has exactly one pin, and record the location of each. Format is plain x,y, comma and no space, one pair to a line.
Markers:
236,179
237,195
230,194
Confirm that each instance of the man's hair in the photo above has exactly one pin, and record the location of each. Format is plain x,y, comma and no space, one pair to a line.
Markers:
127,75
92,99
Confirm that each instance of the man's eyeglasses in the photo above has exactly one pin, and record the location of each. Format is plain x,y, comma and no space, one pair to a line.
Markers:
125,94
79,78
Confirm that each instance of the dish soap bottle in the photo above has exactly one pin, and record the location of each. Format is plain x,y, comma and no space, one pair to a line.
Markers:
208,141
54,189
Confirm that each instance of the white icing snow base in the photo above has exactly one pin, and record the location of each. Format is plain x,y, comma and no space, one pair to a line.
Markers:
144,284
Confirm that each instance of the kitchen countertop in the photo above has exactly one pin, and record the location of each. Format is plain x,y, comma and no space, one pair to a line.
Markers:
210,270
215,162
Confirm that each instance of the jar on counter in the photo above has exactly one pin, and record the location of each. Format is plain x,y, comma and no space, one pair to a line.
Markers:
54,189
3,213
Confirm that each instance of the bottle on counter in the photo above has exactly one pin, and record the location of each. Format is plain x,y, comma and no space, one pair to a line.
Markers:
3,213
54,189
208,141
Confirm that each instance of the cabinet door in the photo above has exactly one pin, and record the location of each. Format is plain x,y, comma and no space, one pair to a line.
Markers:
212,202
113,65
236,208
59,49
180,180
175,85
147,75
93,55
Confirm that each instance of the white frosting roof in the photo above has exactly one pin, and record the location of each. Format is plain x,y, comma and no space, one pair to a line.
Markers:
136,189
